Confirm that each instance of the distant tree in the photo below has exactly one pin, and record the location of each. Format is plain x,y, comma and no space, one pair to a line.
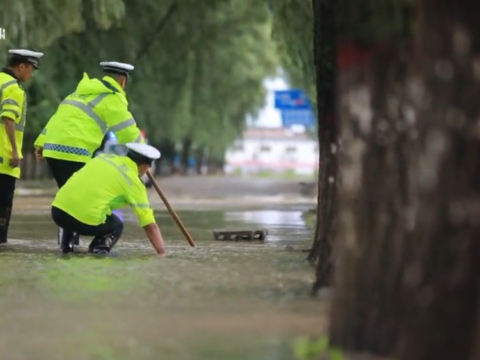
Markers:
201,75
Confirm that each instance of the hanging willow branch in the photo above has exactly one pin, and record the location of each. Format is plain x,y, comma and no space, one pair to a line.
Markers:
161,24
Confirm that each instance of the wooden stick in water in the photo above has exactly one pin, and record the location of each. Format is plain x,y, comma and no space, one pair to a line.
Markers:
170,209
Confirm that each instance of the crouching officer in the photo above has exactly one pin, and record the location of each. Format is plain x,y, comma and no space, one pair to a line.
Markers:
84,204
13,107
81,121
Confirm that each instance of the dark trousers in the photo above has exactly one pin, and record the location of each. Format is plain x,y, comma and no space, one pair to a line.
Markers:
110,230
7,190
62,170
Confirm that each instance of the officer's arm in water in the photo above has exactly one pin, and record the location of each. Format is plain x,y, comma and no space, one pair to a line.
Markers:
155,237
138,200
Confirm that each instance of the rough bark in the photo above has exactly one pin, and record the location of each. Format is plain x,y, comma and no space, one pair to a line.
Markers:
442,281
409,272
476,347
324,51
375,196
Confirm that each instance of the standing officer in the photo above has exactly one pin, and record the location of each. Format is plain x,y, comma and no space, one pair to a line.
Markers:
81,121
108,182
13,108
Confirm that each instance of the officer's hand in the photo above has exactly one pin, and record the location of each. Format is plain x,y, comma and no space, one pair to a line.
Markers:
14,160
39,154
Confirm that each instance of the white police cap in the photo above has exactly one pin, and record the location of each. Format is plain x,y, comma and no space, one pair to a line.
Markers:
144,150
33,57
117,67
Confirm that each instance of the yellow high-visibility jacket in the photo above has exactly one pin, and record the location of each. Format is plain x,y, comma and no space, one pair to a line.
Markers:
13,105
106,183
81,121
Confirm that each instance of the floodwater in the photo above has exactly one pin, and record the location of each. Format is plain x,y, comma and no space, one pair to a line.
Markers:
220,300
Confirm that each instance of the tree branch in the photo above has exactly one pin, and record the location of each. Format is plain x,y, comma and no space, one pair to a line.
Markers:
161,24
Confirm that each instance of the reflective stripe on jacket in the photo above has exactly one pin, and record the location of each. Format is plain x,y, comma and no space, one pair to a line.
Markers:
113,183
13,105
81,121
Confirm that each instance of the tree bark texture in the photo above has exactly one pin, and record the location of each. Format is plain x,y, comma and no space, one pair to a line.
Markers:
442,278
377,144
475,354
324,52
409,223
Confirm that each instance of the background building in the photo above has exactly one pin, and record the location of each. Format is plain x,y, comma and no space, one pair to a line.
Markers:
276,150
276,140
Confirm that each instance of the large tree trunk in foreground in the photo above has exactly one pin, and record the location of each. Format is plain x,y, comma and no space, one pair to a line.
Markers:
324,51
409,225
375,196
475,354
442,282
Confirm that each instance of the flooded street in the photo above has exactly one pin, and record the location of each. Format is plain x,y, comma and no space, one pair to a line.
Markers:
221,300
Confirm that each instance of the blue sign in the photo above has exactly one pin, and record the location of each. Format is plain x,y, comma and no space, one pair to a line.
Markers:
291,99
297,117
295,108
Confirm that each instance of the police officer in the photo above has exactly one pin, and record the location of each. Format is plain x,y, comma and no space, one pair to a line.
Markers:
13,107
113,182
81,121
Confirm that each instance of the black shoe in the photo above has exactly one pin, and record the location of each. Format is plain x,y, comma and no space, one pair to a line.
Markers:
76,239
99,251
64,241
66,248
59,238
102,245
5,215
3,230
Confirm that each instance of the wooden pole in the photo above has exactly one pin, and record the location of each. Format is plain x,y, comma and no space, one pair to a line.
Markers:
170,209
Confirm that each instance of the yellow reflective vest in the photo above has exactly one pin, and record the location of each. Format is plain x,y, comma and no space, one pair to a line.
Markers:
107,182
81,121
13,105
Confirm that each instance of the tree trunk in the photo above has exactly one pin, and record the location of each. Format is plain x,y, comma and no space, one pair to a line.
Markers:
409,271
185,154
475,355
442,281
324,52
375,197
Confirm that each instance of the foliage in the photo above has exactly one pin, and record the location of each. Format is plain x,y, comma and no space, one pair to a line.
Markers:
292,30
202,74
307,349
376,20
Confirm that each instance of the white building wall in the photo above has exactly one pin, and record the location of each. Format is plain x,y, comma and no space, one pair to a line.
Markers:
276,155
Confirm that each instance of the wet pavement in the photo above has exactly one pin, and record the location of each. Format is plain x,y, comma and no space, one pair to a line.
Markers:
221,300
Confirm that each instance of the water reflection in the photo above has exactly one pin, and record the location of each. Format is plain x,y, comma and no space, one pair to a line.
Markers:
267,217
277,222
221,300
